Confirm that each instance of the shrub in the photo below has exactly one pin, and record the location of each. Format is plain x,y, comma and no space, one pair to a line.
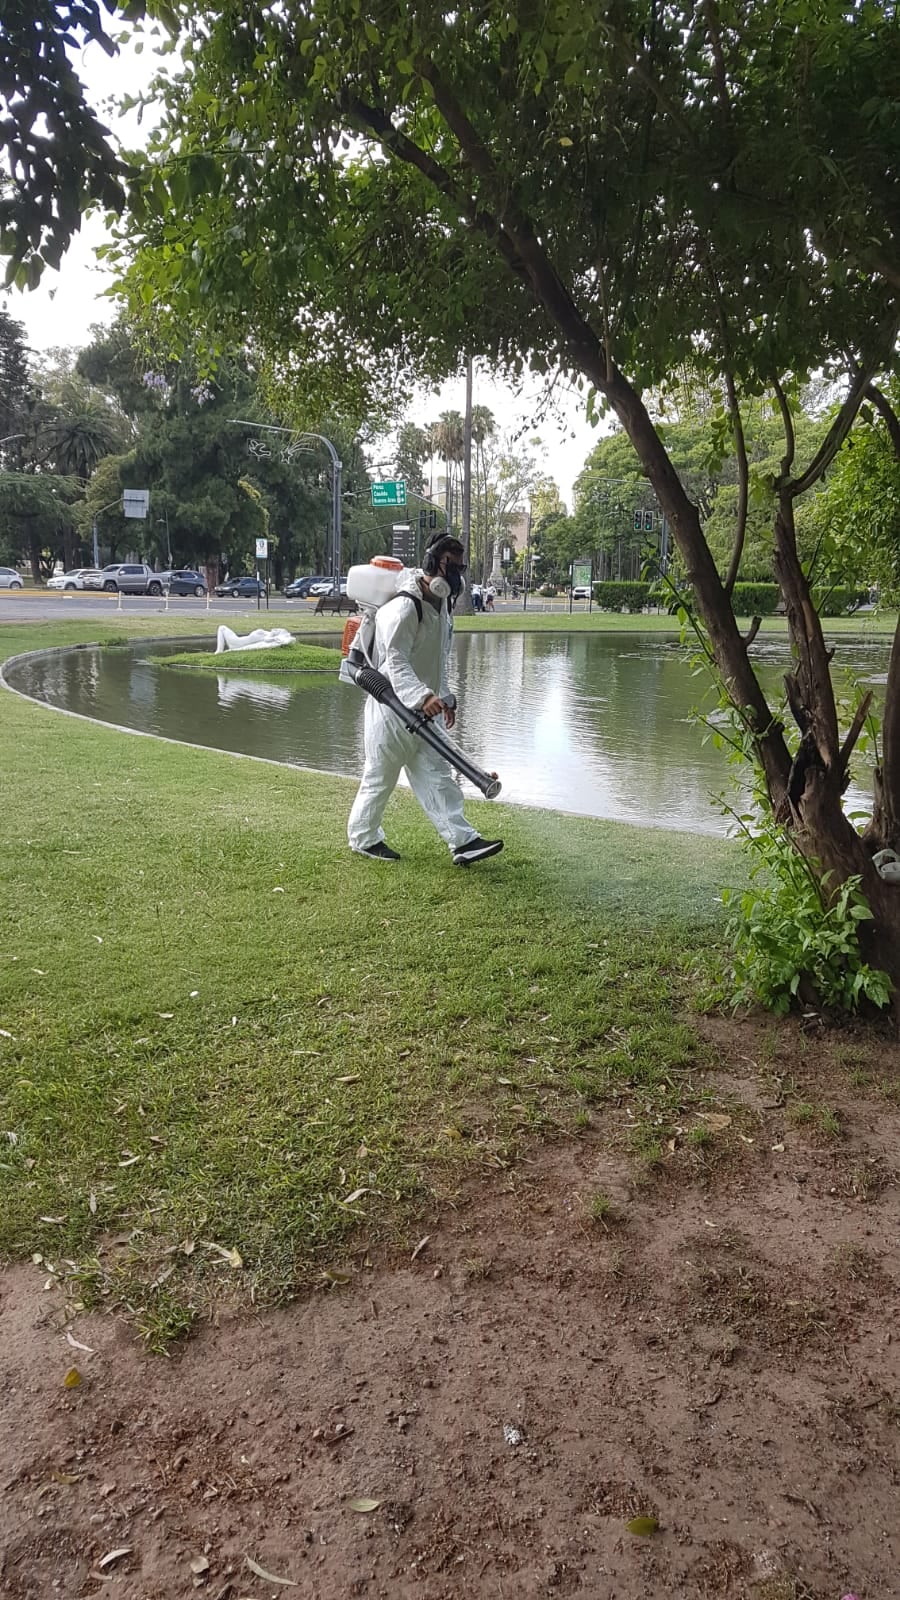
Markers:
756,599
622,596
792,938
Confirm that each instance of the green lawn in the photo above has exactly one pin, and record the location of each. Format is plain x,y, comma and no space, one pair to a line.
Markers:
295,657
223,1030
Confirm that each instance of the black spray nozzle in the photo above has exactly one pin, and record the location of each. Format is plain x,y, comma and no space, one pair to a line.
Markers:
378,686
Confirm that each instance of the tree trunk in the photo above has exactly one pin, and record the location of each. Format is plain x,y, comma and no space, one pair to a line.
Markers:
825,835
883,831
34,556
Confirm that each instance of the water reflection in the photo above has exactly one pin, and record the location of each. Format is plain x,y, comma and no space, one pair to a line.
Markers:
259,693
597,724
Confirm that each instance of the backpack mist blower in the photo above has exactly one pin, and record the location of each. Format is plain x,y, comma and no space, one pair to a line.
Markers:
372,586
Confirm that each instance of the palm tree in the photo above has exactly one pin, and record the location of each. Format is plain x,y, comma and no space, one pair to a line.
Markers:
446,437
484,427
84,430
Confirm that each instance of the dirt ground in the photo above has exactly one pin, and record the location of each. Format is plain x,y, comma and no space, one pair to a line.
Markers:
713,1345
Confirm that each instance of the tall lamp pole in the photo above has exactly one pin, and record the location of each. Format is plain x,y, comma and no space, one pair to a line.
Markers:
298,442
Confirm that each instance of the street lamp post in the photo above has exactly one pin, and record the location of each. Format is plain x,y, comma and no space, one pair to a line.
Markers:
298,444
97,514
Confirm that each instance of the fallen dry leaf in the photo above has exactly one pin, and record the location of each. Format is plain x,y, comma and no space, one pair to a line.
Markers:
363,1503
72,1378
420,1246
269,1577
76,1345
716,1120
233,1257
112,1556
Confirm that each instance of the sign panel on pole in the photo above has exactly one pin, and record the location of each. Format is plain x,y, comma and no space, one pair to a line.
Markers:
262,549
391,492
403,543
135,503
581,574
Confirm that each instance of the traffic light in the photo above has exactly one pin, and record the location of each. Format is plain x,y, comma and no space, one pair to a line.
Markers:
432,519
648,521
423,519
638,521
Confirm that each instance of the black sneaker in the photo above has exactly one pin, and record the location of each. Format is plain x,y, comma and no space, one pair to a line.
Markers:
379,852
476,850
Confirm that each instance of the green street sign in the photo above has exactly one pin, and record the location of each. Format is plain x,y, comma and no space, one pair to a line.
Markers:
392,492
581,574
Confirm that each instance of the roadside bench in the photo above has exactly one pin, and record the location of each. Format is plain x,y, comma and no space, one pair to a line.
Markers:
335,603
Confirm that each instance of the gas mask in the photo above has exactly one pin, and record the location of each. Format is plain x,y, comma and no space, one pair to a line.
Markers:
449,587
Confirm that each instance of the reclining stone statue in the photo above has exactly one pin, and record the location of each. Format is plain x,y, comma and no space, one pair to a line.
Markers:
259,639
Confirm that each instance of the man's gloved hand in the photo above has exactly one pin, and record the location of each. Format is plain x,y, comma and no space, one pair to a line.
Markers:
433,707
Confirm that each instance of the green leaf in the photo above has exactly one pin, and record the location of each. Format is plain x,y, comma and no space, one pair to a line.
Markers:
642,1527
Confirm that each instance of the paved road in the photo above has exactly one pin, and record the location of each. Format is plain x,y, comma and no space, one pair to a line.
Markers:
43,604
17,605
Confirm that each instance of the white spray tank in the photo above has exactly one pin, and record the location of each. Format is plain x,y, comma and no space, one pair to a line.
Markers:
370,585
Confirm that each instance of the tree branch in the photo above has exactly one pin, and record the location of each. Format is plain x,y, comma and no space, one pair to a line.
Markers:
854,731
844,420
790,446
370,120
715,44
883,406
740,443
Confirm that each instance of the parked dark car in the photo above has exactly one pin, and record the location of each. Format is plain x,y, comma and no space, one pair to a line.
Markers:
242,589
128,577
301,588
184,581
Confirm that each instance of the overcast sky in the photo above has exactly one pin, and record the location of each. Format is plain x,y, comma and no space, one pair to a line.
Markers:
65,306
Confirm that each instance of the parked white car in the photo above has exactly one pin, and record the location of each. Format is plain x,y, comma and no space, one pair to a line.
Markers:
325,587
74,579
10,579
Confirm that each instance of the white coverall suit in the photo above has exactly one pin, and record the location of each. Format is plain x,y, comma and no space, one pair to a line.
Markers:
414,656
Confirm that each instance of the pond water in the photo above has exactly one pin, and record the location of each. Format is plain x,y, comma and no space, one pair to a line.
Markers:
593,723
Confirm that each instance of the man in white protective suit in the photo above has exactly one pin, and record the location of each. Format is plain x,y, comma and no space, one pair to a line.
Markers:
412,646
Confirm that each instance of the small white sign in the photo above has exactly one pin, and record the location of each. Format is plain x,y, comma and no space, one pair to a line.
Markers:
135,503
262,549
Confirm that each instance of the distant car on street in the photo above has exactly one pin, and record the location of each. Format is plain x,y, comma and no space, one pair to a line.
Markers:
75,579
582,591
126,577
325,586
241,589
9,579
184,581
302,588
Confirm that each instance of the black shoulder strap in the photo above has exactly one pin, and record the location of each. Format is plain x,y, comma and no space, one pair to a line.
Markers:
404,595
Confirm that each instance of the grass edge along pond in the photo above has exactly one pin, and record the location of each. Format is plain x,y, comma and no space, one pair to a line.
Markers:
230,1047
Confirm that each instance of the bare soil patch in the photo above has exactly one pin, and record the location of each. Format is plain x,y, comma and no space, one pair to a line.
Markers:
715,1348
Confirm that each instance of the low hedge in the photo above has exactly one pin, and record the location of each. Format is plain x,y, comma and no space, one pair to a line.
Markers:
622,596
764,599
